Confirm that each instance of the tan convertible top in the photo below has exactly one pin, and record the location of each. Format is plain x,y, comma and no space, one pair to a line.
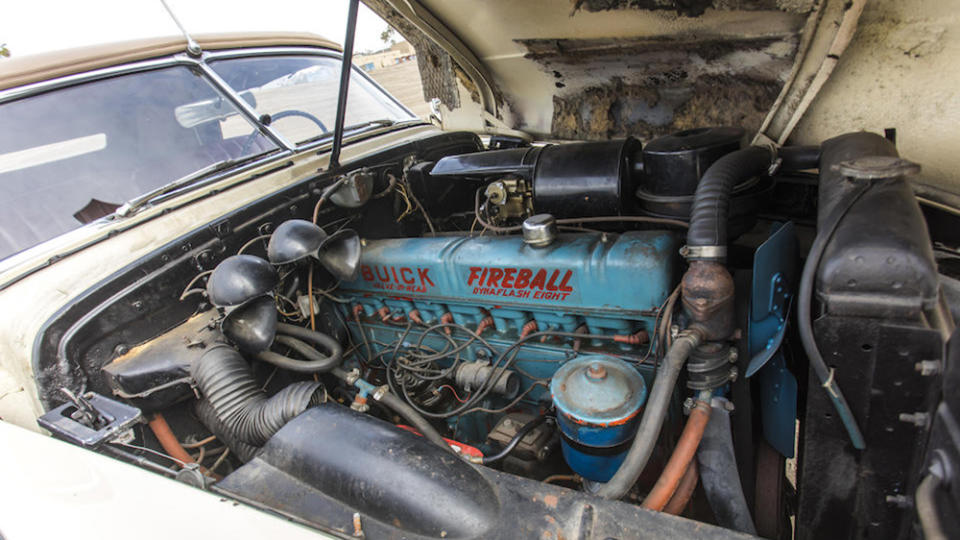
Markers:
29,69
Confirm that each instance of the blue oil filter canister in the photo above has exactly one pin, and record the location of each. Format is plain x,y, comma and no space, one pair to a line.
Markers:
598,401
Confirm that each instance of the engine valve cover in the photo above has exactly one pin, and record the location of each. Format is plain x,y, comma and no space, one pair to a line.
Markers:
609,282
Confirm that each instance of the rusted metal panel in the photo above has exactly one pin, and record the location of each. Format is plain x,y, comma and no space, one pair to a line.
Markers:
647,87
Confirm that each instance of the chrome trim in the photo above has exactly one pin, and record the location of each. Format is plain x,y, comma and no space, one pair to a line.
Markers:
146,65
244,107
183,59
285,150
39,87
301,51
270,51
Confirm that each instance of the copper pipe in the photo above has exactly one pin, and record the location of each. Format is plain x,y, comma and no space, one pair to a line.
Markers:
199,444
682,455
161,430
681,497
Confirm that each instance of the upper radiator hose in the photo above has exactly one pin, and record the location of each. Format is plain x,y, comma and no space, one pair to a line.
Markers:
707,287
711,203
225,380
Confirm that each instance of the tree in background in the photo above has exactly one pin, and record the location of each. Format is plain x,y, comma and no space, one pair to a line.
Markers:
389,36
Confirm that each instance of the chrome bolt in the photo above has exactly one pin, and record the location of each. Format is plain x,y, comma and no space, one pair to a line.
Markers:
919,419
927,367
596,371
900,501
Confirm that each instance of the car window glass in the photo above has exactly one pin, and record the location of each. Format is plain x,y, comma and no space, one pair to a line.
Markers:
299,93
74,154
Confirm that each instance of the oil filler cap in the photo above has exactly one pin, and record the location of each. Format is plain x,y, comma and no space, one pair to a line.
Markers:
540,230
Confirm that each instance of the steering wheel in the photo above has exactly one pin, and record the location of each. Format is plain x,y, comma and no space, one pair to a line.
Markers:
273,118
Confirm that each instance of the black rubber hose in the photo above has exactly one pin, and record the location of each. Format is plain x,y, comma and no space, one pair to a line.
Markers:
208,417
294,337
804,323
521,433
419,422
324,341
224,378
719,474
315,362
799,158
654,414
405,411
711,203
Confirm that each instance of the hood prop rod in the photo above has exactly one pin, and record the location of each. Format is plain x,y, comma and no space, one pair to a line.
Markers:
344,84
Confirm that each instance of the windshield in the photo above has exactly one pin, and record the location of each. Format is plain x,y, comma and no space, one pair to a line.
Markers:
72,155
299,93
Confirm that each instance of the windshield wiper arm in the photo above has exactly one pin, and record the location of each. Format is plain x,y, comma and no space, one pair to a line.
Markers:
128,208
382,122
385,122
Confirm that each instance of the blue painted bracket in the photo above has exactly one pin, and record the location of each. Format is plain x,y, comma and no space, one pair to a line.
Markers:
774,280
775,268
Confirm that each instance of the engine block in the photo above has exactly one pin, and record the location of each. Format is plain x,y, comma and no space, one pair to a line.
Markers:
609,283
590,283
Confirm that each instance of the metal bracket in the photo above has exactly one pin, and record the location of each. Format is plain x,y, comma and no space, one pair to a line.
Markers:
90,420
774,279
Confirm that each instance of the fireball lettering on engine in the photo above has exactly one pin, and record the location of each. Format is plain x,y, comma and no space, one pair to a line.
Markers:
391,278
536,284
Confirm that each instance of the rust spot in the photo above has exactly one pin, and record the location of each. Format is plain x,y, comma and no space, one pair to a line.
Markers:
708,295
673,82
551,501
691,8
619,109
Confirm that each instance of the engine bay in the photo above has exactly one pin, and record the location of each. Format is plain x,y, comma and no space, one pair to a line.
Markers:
453,339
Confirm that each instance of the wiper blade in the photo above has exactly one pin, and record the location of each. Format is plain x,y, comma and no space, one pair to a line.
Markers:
380,122
128,208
